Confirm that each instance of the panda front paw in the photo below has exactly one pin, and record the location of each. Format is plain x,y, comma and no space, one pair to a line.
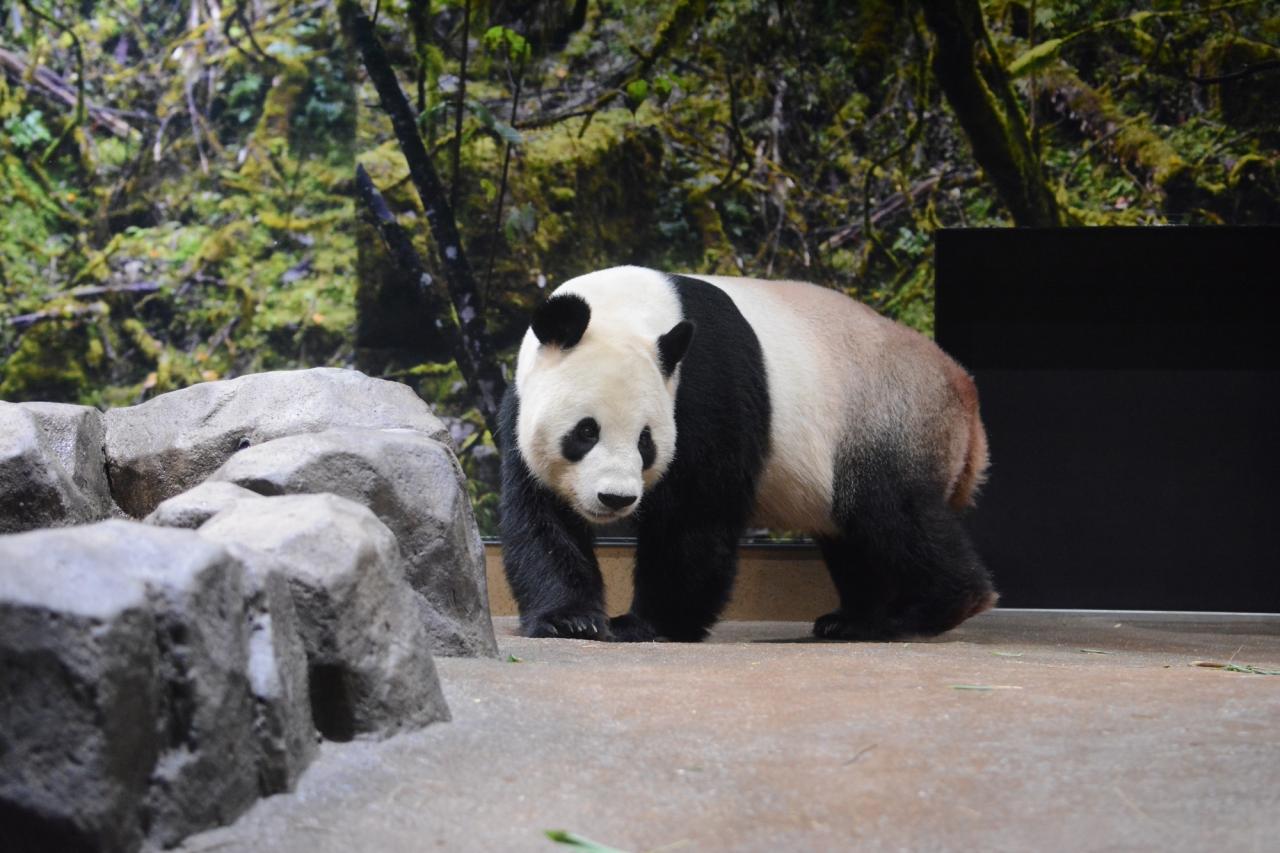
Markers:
839,625
630,628
568,623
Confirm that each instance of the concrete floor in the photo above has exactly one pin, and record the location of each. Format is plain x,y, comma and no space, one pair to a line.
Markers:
1020,731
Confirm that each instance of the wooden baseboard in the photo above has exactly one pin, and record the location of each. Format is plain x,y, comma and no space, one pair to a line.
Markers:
775,582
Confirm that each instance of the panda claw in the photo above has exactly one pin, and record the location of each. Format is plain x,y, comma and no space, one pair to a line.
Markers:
574,626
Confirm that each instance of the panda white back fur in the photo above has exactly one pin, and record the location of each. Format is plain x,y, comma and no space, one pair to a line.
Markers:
703,404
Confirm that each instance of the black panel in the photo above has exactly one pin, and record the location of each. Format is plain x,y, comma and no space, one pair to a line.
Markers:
1135,452
1192,298
1132,489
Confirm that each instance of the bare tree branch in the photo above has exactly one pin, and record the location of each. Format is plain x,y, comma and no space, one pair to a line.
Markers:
67,312
1247,71
674,29
892,206
506,168
460,108
476,357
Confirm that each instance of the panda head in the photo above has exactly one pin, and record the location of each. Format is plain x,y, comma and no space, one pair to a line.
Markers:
597,406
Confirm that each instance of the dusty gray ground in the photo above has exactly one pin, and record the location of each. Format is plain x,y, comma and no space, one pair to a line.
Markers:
747,743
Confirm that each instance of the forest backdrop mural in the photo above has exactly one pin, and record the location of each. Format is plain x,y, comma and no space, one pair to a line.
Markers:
200,189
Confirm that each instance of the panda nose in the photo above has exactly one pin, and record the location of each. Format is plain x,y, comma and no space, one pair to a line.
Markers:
616,501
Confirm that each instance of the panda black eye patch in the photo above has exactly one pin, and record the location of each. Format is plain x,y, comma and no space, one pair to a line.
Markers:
578,442
648,452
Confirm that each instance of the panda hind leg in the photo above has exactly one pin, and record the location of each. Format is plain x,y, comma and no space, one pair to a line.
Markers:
863,595
904,566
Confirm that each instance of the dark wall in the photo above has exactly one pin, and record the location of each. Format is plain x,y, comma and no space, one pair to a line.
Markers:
1129,385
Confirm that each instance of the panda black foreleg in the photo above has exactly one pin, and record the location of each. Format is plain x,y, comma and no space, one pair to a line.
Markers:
547,552
683,576
550,563
904,566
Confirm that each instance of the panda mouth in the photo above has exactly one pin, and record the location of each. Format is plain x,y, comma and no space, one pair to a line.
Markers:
597,517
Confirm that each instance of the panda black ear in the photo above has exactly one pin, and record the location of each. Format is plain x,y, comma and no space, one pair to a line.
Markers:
674,345
561,320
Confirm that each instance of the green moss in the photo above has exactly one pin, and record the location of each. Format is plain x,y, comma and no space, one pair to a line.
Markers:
718,254
1142,145
95,354
1251,103
390,173
593,193
142,339
557,146
48,364
282,101
224,243
562,195
874,41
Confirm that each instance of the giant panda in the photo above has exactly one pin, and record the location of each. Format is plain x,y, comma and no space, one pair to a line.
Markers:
702,405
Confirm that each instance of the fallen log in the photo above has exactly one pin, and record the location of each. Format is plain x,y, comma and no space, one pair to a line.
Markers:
893,205
52,86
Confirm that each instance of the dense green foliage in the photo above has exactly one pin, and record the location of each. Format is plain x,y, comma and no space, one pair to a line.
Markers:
177,178
205,231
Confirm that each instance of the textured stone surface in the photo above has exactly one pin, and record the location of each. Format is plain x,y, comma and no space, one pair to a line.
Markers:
195,506
207,773
167,445
368,652
285,731
761,740
186,728
415,486
52,468
75,436
79,688
157,681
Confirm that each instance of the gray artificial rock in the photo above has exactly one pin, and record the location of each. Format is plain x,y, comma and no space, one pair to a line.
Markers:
368,653
207,774
186,734
285,731
195,506
167,445
52,468
415,486
75,436
79,677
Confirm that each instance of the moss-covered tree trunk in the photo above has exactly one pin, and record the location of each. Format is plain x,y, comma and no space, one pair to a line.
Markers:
982,97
